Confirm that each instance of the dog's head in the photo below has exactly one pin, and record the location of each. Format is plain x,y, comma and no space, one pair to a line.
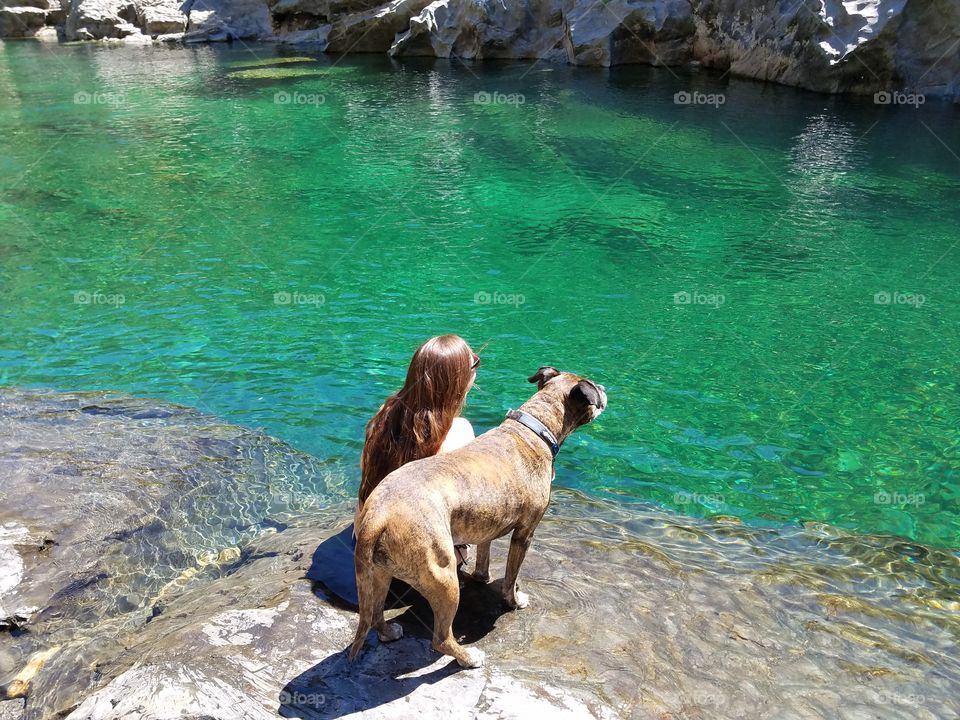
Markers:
583,400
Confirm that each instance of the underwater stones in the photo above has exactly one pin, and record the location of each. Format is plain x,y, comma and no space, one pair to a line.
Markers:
155,603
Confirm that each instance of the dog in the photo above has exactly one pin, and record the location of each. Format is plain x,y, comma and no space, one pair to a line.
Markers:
497,484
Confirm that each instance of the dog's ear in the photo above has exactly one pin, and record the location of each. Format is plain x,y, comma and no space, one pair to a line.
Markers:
585,391
543,375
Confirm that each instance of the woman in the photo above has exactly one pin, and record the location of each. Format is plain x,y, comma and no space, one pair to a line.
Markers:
423,417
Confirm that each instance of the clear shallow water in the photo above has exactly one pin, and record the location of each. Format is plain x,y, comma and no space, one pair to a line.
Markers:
186,188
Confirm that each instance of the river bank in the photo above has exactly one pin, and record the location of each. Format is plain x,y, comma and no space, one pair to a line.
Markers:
877,46
163,559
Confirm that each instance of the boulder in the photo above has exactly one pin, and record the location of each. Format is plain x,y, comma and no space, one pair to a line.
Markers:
47,34
18,21
625,31
291,16
216,20
373,30
170,564
97,19
477,30
160,17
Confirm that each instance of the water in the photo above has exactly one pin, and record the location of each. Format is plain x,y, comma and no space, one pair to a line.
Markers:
178,181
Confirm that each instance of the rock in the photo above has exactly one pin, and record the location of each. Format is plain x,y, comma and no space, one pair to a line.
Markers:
95,19
317,36
160,17
182,583
660,33
18,22
105,19
373,30
832,46
47,34
470,29
217,20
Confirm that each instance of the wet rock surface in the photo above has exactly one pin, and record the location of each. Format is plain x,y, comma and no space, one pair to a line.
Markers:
169,557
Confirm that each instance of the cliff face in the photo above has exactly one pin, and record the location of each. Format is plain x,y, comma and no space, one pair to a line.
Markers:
824,45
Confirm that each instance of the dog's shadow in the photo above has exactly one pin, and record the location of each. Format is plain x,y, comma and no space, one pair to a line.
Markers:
382,672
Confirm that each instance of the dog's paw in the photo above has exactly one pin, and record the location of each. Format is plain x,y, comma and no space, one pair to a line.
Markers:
473,658
519,601
394,631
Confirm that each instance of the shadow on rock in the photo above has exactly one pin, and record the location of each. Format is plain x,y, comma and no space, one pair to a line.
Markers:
380,675
384,672
332,567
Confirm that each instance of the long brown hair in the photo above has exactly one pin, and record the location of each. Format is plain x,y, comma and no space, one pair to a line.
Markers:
414,420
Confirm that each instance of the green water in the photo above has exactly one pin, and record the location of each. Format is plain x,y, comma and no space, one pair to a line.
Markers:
186,190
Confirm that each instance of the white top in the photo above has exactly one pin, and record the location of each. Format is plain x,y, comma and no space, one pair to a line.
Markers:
461,433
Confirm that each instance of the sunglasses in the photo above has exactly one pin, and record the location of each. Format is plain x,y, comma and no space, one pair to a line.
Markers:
476,362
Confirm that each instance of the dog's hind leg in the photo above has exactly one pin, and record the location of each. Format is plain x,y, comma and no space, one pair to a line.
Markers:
481,570
372,586
441,588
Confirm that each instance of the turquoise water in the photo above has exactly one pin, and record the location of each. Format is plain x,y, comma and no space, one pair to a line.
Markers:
157,206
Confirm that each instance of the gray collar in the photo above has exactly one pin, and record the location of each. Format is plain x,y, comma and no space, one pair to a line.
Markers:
542,431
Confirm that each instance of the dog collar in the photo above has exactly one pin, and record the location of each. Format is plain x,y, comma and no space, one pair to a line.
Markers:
542,431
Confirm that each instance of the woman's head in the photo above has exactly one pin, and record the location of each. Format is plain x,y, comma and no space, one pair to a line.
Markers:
414,421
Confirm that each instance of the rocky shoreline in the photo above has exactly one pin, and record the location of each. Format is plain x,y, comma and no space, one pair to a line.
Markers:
828,46
160,563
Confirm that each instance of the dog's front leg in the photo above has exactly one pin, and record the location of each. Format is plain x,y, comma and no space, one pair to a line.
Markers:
519,542
481,571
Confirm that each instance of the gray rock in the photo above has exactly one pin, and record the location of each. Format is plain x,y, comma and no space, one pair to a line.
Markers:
183,584
48,33
105,19
832,46
18,22
217,20
160,17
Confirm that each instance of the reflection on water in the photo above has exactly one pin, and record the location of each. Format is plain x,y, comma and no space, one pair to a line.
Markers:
400,199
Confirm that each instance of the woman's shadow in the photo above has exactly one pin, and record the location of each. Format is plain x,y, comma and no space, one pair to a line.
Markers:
381,673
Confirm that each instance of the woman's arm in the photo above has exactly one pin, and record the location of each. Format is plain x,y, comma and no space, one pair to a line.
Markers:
461,432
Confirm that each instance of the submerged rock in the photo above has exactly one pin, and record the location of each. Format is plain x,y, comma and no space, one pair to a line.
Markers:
181,583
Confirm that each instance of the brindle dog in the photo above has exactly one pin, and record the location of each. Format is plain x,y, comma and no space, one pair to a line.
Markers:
497,484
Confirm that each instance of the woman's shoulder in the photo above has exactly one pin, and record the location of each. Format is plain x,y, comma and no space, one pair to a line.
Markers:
460,433
461,423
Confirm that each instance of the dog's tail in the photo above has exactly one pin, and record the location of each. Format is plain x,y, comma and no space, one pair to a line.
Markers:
368,582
